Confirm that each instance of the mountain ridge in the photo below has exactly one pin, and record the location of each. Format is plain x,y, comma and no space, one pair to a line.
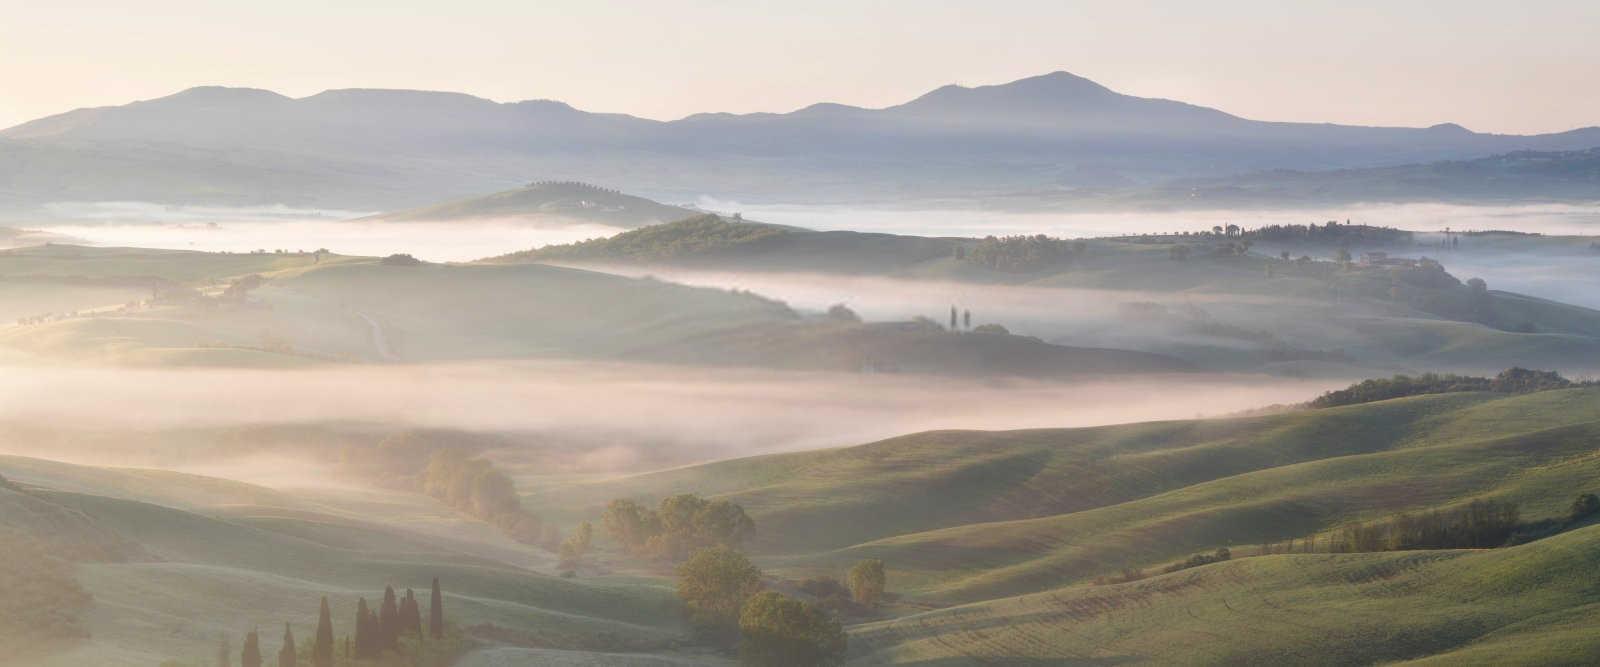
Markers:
386,149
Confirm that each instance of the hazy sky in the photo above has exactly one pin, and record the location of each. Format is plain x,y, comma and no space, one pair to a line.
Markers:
1530,66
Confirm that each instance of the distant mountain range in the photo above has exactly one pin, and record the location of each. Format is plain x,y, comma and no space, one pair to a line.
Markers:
1517,177
390,149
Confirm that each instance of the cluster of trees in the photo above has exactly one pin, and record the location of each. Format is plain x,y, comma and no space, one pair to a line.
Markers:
722,593
1330,232
400,259
677,527
394,635
699,235
1481,524
864,586
474,486
1509,381
1197,560
1020,254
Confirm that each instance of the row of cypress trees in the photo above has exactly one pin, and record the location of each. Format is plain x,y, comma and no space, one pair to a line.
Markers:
375,632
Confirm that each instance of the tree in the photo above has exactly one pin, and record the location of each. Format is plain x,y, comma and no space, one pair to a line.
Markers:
411,615
286,653
576,546
251,655
436,612
867,582
1584,507
366,635
966,319
714,584
952,318
1343,256
841,313
779,631
388,619
629,523
322,647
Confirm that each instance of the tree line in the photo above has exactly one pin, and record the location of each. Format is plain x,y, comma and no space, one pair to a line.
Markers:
1509,381
392,636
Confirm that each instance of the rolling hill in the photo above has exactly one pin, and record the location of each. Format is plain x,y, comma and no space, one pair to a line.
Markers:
1215,304
213,569
363,149
1031,519
313,308
547,204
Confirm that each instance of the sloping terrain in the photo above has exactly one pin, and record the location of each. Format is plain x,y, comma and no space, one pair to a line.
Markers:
1528,604
548,203
304,309
966,516
1195,296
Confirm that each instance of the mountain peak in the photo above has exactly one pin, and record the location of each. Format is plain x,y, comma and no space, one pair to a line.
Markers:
222,94
1055,89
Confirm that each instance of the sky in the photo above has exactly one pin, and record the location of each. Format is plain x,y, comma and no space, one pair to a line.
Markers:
1519,67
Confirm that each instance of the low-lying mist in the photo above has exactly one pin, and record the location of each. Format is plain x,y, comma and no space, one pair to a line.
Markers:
966,220
625,414
431,241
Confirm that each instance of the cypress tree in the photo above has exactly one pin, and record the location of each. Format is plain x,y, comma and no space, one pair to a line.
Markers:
286,654
364,630
322,648
251,655
388,619
411,615
436,612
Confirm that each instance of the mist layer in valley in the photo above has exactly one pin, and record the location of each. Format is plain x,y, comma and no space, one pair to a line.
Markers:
621,417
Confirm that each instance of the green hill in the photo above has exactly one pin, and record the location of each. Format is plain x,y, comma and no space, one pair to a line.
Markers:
1530,604
349,309
165,582
1202,297
967,516
550,204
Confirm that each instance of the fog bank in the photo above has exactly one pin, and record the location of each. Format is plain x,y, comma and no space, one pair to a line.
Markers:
714,412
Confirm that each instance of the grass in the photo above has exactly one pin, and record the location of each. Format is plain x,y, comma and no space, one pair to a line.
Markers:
967,516
1519,605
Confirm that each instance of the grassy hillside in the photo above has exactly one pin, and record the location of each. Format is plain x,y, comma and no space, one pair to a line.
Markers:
166,581
966,516
1520,605
350,309
548,203
1203,297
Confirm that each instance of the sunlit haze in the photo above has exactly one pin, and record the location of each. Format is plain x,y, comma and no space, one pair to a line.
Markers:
1426,62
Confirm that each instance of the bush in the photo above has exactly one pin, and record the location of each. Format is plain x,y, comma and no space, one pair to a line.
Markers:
779,631
1584,507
